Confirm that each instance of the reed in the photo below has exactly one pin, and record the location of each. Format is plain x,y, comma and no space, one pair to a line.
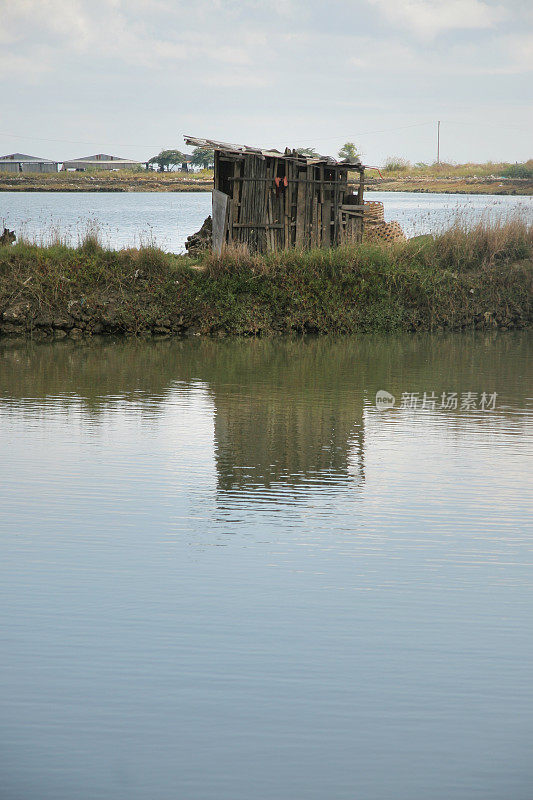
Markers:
462,246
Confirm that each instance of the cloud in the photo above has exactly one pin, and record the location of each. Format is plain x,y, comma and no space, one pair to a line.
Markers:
510,54
376,56
428,18
18,66
107,29
23,17
228,80
253,69
519,49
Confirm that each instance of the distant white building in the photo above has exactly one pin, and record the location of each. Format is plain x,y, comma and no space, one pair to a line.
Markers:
101,161
19,162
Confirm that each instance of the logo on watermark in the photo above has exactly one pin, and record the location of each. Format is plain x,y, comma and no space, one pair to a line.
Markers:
445,401
384,400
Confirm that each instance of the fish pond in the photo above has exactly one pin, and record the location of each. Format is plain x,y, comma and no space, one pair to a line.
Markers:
227,574
131,219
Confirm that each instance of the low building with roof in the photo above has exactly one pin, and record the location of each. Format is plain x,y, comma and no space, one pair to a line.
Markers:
101,161
20,162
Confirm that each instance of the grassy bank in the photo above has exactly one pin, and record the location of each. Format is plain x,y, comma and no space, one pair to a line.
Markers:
478,278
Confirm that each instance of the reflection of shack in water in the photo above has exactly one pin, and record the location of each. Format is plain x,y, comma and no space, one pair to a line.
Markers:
288,411
274,424
263,440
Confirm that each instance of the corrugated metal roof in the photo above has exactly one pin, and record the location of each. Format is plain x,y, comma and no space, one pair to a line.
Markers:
23,157
101,158
227,147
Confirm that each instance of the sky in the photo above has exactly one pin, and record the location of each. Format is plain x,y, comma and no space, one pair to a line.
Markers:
131,77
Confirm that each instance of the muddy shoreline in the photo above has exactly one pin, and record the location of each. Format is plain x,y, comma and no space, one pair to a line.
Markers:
78,182
493,186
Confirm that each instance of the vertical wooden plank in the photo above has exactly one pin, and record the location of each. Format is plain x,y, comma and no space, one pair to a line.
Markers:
309,195
246,233
227,221
340,236
216,170
286,232
313,239
326,218
237,191
248,205
271,204
360,201
259,237
277,206
301,197
324,222
361,188
220,220
294,201
335,239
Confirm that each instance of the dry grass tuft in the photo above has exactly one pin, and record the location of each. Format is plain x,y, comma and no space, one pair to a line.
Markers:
484,244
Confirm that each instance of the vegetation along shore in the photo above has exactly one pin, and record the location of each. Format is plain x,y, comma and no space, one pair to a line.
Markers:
397,175
460,279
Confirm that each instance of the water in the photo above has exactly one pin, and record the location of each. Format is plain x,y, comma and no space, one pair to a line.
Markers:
122,219
167,218
224,575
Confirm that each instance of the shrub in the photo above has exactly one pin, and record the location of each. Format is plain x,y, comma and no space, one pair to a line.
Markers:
519,170
396,164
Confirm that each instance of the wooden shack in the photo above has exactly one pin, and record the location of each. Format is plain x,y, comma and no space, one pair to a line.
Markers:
270,200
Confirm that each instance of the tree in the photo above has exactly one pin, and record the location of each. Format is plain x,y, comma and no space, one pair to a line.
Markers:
167,159
348,152
307,151
203,157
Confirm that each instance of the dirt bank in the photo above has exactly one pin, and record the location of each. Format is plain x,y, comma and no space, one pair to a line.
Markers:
106,182
498,186
179,182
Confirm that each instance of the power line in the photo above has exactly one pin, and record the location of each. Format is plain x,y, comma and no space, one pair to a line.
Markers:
482,125
117,144
72,141
278,141
354,135
400,128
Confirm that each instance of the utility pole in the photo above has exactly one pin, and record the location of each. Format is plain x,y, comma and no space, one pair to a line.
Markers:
438,142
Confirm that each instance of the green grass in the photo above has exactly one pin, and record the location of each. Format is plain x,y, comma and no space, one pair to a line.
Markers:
461,278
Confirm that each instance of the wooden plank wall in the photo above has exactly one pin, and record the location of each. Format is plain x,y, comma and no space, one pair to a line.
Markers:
307,213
